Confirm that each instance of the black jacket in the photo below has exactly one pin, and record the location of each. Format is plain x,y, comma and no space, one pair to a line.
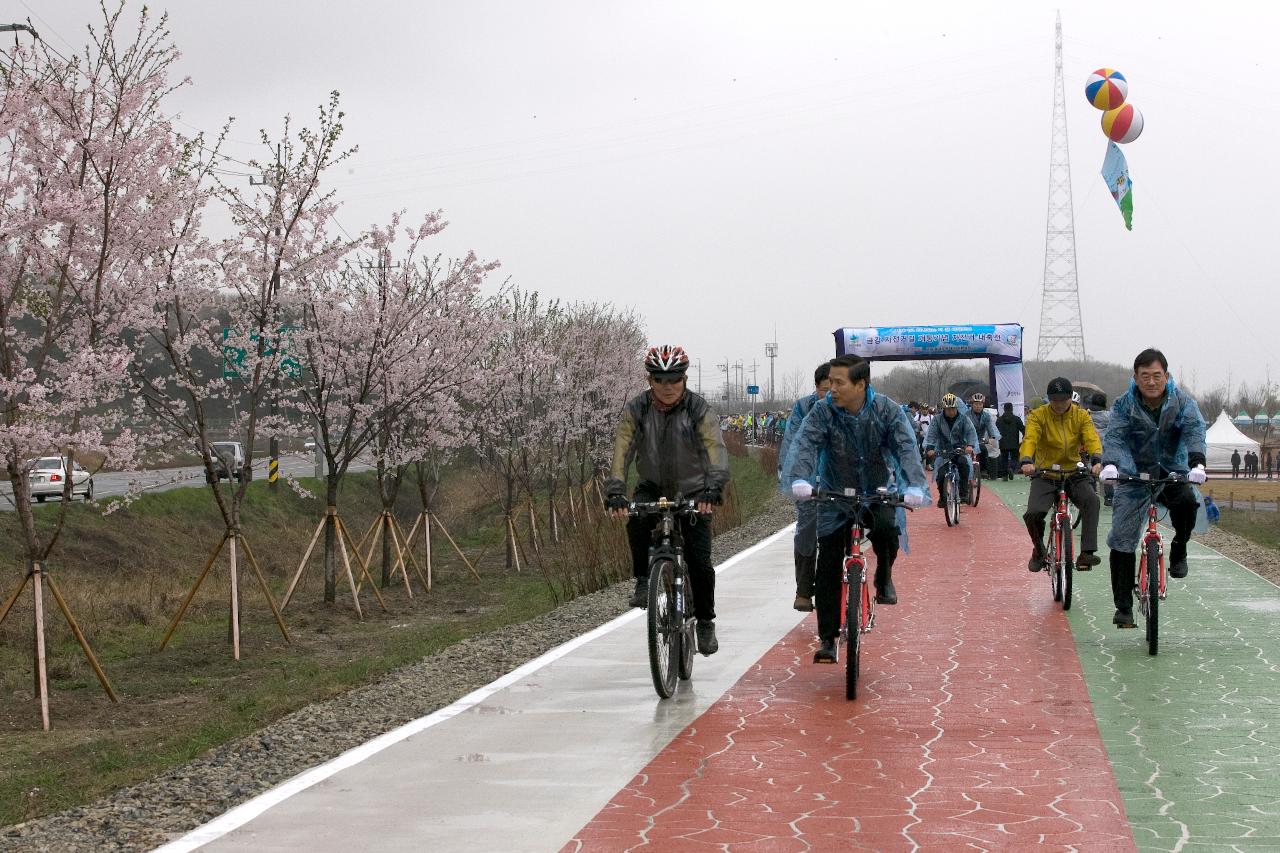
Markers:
1011,431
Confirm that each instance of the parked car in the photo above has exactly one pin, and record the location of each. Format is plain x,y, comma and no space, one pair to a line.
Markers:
309,444
49,476
228,460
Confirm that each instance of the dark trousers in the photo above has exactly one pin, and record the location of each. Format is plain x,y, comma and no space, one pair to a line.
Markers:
1183,506
1040,503
831,551
806,571
696,533
1008,462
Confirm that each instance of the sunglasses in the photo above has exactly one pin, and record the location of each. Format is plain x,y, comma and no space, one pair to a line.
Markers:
666,380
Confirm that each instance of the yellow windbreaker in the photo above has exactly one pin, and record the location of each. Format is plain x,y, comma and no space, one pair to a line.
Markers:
1056,439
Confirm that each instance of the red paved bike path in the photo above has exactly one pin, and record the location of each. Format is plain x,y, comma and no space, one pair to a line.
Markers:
972,729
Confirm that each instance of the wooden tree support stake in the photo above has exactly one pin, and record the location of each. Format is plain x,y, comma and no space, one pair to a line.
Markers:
37,575
230,540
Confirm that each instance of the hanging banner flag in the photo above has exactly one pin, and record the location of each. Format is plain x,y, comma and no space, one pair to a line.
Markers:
1115,171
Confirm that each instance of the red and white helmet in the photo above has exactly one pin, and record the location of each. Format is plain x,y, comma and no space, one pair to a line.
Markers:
666,359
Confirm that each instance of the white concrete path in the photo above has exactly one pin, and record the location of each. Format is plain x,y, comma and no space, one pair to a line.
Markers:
524,763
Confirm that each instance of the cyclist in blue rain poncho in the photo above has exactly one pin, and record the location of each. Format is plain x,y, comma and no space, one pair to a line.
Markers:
806,538
854,438
948,431
1155,429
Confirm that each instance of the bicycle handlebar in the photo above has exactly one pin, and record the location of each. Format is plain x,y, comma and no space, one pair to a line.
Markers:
641,508
1080,472
852,496
1147,480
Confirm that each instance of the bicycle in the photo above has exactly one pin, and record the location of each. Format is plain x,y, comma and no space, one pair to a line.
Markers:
1150,585
856,615
1061,544
671,620
975,482
948,480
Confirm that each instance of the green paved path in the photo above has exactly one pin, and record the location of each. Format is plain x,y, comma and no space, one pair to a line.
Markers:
1194,733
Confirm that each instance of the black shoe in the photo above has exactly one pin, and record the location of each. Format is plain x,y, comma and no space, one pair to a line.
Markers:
1178,560
1086,561
803,603
1124,619
826,652
942,502
886,594
1106,501
640,598
707,642
1036,563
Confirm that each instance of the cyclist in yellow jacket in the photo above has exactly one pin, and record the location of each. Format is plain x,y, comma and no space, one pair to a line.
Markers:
1054,435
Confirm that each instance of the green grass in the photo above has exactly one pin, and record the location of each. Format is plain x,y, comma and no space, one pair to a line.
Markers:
1262,528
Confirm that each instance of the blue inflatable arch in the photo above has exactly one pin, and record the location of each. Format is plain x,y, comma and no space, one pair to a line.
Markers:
999,344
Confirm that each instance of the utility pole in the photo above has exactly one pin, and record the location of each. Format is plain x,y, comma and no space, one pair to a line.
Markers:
724,365
699,376
737,375
273,464
771,353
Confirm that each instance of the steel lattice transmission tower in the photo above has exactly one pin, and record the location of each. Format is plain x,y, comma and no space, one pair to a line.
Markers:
1060,327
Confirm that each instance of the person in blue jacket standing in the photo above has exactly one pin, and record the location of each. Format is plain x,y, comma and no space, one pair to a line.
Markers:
806,538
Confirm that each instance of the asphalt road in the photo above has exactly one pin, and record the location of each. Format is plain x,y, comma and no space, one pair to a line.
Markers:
110,484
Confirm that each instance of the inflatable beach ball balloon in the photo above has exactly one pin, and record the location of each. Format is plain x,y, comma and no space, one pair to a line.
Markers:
1106,89
1122,125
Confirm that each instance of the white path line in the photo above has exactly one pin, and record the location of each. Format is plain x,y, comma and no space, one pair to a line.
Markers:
245,812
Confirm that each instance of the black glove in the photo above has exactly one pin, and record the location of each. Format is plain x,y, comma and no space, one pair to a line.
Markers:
711,496
616,502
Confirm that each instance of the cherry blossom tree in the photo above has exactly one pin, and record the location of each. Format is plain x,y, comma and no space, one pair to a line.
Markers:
91,178
219,336
380,339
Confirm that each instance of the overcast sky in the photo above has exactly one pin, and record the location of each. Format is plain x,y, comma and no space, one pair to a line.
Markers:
725,168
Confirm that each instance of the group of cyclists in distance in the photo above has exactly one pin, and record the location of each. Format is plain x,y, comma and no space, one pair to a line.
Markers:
847,436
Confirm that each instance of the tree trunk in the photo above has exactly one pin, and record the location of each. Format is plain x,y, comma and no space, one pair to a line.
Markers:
331,540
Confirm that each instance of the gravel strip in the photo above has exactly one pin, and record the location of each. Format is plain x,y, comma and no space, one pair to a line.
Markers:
173,803
1263,561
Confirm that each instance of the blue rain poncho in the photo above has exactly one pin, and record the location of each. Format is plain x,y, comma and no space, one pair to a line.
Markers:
806,538
873,448
1137,443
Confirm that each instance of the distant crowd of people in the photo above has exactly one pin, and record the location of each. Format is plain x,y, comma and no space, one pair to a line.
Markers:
1253,465
762,427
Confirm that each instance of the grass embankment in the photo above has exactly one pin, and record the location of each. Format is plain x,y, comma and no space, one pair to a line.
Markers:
1262,528
125,575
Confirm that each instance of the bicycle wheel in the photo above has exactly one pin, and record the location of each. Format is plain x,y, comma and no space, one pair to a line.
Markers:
953,502
1067,564
1152,557
665,628
1055,551
688,637
975,486
853,650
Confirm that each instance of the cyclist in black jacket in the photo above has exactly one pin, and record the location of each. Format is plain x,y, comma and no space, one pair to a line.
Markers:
673,435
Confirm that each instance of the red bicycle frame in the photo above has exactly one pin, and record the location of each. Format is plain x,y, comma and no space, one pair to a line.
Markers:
855,563
1061,521
1152,535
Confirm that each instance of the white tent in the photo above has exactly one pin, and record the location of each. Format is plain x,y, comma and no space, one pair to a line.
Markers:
1222,438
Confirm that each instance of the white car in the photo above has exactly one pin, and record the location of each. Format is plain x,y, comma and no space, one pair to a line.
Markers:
48,477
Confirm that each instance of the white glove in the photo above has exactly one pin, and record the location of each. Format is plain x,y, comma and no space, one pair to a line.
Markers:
1110,472
913,497
1197,475
802,490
